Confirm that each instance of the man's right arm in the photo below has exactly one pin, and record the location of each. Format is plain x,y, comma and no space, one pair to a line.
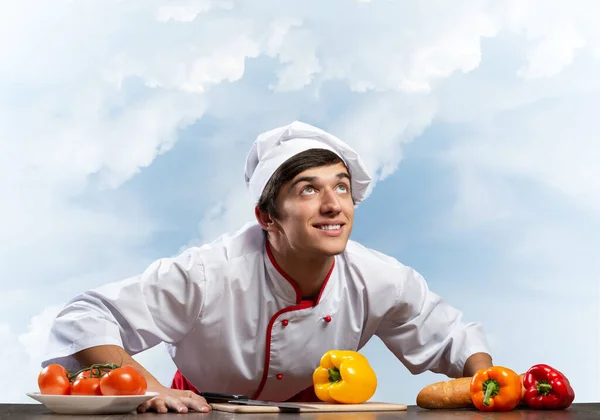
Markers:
160,305
110,323
176,400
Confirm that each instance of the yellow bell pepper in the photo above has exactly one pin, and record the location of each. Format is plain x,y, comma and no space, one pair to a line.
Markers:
344,376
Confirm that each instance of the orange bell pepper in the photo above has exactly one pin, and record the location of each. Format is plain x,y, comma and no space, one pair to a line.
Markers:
344,376
496,389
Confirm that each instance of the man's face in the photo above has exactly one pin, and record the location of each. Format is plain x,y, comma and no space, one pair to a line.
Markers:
316,211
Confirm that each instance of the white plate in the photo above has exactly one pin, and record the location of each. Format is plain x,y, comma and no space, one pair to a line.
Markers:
91,404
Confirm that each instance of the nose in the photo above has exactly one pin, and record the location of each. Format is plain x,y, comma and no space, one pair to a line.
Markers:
330,203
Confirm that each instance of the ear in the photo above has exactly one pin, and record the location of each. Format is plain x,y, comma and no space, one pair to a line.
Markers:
264,219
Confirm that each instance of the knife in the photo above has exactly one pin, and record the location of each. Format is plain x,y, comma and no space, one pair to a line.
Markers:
215,397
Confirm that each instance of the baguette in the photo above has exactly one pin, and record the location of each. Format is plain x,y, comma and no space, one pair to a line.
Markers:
454,393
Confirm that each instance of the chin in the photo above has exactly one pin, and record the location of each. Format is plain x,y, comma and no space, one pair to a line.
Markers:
332,249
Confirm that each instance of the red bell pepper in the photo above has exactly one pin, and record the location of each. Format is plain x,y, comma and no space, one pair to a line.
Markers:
547,388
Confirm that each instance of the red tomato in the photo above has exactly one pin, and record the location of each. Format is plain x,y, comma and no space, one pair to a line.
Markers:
144,384
85,386
123,381
54,380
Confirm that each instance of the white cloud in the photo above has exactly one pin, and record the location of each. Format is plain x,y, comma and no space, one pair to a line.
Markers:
187,10
478,203
296,49
24,351
555,33
409,49
552,142
37,332
20,382
380,124
227,216
526,184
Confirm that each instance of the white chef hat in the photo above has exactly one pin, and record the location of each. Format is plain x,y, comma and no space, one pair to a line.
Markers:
274,147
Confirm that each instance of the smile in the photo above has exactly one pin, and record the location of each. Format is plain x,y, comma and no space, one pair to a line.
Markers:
329,227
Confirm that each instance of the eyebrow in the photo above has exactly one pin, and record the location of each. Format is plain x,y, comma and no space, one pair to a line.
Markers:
311,179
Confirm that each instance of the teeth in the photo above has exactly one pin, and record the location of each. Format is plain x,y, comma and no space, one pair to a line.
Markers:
330,227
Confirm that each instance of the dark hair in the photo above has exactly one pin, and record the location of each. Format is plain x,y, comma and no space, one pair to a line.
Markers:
308,159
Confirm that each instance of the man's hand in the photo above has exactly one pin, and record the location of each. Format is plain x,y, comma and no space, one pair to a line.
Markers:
475,362
174,399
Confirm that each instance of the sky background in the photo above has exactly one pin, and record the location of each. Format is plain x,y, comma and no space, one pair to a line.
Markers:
124,126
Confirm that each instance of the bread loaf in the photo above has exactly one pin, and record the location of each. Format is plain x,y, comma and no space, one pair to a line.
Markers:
454,393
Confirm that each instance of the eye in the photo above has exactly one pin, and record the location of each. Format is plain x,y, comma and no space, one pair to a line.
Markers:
309,189
342,188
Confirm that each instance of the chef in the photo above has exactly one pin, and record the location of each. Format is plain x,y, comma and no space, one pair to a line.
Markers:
253,312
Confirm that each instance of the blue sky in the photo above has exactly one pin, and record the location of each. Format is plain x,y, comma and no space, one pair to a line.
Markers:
124,127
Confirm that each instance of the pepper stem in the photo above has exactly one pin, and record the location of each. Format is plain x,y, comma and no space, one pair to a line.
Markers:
334,375
543,388
491,387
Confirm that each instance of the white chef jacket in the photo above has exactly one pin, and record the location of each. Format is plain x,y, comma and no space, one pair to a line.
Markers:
234,322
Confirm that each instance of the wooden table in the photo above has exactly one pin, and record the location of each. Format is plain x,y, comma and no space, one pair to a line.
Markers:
587,411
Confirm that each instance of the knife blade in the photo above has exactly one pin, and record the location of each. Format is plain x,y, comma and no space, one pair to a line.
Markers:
288,406
216,397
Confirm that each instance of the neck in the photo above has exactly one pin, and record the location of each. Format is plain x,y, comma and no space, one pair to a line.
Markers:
309,272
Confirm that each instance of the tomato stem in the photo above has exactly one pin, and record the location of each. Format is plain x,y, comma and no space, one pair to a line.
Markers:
99,367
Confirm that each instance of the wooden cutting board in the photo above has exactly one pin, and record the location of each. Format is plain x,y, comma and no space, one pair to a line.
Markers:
316,407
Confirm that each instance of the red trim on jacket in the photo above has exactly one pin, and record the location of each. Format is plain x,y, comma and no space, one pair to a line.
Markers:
292,282
307,395
301,304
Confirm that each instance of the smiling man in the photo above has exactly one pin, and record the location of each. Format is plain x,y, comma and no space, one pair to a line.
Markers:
308,217
253,312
